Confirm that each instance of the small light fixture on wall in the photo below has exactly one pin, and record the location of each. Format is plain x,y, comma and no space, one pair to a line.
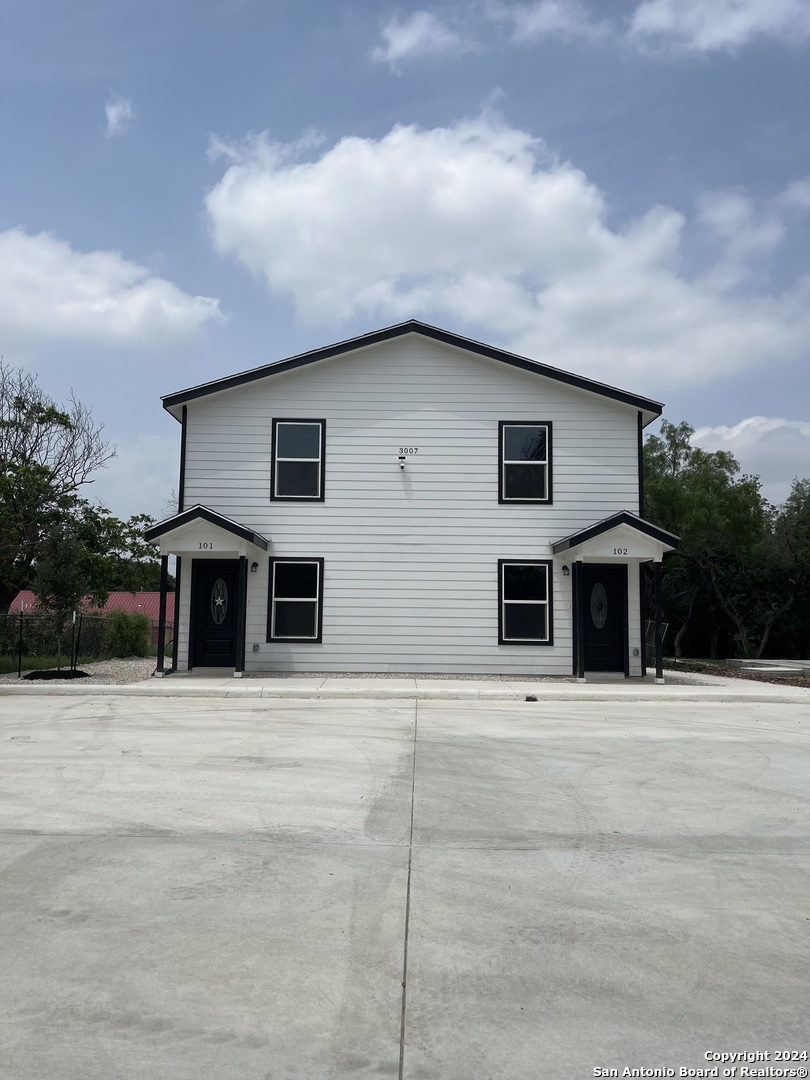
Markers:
566,572
401,460
254,567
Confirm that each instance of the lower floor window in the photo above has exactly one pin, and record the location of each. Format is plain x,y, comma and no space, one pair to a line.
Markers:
296,596
525,603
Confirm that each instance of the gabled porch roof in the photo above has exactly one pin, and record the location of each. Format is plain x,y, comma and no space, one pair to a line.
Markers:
166,531
643,540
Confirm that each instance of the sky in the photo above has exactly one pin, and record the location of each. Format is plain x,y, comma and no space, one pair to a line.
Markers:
620,188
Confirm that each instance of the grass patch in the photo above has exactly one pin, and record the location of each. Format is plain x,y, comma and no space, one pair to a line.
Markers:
10,664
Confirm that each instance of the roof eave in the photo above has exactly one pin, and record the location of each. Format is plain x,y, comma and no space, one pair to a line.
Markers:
204,513
615,521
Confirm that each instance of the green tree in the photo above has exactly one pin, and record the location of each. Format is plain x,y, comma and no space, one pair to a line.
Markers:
132,564
51,538
86,554
788,562
47,453
726,530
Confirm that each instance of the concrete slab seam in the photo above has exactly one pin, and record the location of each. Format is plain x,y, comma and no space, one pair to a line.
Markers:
408,902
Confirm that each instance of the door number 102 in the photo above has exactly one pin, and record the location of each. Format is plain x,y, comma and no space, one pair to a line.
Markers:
620,551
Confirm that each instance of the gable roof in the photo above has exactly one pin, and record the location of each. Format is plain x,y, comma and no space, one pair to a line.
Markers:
203,513
173,402
624,517
146,603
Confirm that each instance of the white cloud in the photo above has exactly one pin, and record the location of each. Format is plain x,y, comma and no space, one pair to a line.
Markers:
710,25
119,112
476,224
796,196
49,291
421,34
772,448
747,233
692,25
548,18
140,479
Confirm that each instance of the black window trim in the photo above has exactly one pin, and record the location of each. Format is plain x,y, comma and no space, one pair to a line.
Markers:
319,600
322,461
547,424
534,643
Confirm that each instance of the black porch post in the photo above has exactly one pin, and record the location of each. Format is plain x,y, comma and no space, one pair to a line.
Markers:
241,615
161,641
579,616
659,651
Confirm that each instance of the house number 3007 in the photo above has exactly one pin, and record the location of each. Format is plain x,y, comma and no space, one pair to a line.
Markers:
206,545
620,551
409,449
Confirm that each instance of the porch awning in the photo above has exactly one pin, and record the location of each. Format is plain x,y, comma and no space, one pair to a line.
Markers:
203,532
620,536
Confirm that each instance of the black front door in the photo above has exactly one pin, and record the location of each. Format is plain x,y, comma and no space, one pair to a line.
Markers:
214,610
604,613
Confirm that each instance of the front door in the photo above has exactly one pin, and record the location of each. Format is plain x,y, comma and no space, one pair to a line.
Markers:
213,613
604,611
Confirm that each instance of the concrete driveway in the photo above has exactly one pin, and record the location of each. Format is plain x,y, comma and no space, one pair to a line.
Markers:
236,890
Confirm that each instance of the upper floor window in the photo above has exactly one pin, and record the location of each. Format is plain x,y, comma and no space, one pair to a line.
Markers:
298,459
525,462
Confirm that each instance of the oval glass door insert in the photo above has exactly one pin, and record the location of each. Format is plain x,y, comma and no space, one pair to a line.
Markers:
219,601
599,605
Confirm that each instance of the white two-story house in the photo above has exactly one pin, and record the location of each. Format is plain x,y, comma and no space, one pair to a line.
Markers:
410,501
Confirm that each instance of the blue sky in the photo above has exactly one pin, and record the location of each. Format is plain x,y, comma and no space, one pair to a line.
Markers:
622,189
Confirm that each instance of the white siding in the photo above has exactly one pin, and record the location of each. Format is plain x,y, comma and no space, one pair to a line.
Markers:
411,575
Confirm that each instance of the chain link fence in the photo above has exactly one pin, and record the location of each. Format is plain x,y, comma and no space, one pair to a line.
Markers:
32,642
649,640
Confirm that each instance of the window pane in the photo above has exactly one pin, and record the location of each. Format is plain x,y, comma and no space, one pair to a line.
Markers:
524,444
296,620
295,579
297,478
298,440
523,582
524,482
524,622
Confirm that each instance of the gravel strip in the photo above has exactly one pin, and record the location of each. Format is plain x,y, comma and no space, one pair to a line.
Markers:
138,669
106,672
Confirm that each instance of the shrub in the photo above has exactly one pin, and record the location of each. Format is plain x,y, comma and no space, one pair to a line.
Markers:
130,633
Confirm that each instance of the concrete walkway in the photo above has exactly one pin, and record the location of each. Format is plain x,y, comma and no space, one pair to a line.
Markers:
249,890
679,686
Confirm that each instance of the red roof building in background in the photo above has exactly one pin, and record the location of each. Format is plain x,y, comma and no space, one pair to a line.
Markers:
147,603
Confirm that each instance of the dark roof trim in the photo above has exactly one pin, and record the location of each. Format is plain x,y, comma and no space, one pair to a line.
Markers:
181,488
412,326
624,517
202,513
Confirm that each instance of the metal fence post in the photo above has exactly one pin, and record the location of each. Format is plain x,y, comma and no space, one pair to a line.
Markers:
79,635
